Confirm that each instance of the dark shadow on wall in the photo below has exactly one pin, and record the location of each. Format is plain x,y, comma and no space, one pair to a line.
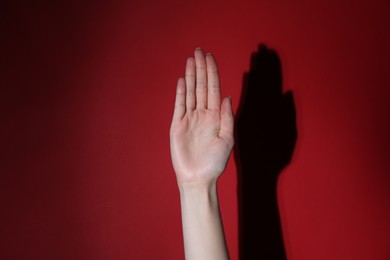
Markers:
265,136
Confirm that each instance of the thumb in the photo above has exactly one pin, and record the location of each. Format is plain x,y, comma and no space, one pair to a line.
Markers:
227,121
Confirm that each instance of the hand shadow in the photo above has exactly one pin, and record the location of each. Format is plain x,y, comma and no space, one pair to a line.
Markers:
265,136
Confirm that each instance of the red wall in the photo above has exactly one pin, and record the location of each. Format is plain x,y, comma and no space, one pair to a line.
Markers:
87,93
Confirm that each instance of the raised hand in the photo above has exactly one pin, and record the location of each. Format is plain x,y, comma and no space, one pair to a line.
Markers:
201,134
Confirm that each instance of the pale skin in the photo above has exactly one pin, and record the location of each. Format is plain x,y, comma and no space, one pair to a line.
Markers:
201,139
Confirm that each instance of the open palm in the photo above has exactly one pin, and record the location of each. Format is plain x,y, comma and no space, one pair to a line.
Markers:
201,133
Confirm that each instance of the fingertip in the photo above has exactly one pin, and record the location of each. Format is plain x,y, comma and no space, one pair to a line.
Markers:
209,56
227,103
181,85
198,50
211,62
190,67
190,60
228,99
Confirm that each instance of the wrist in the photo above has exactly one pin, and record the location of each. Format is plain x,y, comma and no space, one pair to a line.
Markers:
199,193
198,187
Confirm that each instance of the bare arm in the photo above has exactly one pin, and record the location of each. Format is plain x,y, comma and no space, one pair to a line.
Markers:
201,140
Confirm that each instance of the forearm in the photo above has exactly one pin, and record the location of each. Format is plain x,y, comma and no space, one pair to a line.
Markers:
202,226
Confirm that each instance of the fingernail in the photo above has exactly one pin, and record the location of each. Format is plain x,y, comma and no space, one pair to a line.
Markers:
209,54
199,48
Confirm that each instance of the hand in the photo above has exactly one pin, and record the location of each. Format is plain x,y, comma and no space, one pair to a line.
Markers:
201,134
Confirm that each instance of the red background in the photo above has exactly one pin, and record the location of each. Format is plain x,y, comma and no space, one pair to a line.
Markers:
87,92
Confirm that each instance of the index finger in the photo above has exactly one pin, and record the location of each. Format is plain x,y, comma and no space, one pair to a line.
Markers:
213,85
